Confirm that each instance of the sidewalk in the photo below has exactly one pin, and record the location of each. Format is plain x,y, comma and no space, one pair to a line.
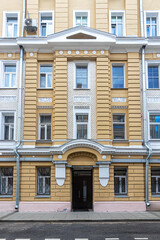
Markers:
78,216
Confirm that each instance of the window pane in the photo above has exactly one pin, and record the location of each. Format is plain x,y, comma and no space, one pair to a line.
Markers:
82,131
155,172
84,21
46,69
153,185
9,30
42,132
113,19
3,186
154,30
13,80
118,76
81,117
81,76
159,185
120,30
10,186
114,29
10,68
120,172
42,80
119,19
12,133
43,171
48,132
78,21
15,30
153,77
154,131
154,118
49,80
123,185
148,31
118,118
6,132
116,185
43,29
46,18
12,19
47,185
154,20
147,20
9,119
40,185
118,131
6,83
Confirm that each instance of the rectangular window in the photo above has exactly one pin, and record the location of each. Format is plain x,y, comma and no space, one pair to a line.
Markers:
82,126
117,76
6,181
43,181
46,23
151,26
81,18
118,126
11,24
45,127
117,23
8,126
120,181
155,181
45,76
81,76
154,122
10,75
153,76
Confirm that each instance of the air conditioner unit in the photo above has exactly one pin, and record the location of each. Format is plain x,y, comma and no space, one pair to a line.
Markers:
30,25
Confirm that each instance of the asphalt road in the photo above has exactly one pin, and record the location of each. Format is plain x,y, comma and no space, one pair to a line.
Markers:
88,231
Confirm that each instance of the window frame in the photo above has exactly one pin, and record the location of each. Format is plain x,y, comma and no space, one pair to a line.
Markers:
2,115
157,193
124,114
126,182
79,12
8,14
124,74
81,63
151,14
44,178
117,13
45,65
39,127
80,112
152,113
4,63
6,187
154,64
43,13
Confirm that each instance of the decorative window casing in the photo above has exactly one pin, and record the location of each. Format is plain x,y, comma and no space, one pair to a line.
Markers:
81,18
11,23
153,74
6,181
82,75
119,126
45,127
155,181
154,125
9,74
82,124
117,23
46,23
45,78
43,180
7,126
151,23
120,181
118,75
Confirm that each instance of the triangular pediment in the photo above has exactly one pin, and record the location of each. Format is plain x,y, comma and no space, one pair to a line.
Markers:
81,36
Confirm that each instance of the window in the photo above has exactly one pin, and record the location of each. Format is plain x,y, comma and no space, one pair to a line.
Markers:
81,76
154,122
153,76
45,127
6,181
46,23
120,181
11,24
82,126
117,76
8,127
118,126
81,18
117,26
151,22
45,76
10,75
155,181
43,180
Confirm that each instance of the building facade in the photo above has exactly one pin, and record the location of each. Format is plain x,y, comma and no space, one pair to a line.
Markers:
79,105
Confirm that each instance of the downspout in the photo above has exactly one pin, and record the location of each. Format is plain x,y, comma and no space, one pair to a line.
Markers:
19,111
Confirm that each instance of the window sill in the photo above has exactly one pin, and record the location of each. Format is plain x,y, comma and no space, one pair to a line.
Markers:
6,196
3,140
154,140
42,196
8,88
121,196
44,88
120,140
81,89
44,141
153,88
119,88
156,196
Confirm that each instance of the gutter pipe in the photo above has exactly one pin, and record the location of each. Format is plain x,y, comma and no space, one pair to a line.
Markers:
20,89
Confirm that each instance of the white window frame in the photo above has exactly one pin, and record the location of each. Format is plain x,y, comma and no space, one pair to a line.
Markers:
45,65
4,63
7,14
124,71
82,111
152,63
124,123
39,128
120,186
44,178
81,12
43,13
82,63
6,113
117,13
152,113
151,14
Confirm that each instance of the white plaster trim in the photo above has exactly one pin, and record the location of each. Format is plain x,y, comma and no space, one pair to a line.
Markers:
2,126
4,22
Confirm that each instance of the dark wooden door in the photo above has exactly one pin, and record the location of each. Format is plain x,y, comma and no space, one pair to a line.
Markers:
82,190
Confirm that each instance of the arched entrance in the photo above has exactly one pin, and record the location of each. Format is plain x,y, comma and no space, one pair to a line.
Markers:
82,180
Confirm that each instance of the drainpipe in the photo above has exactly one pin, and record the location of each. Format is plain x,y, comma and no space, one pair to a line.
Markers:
20,89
